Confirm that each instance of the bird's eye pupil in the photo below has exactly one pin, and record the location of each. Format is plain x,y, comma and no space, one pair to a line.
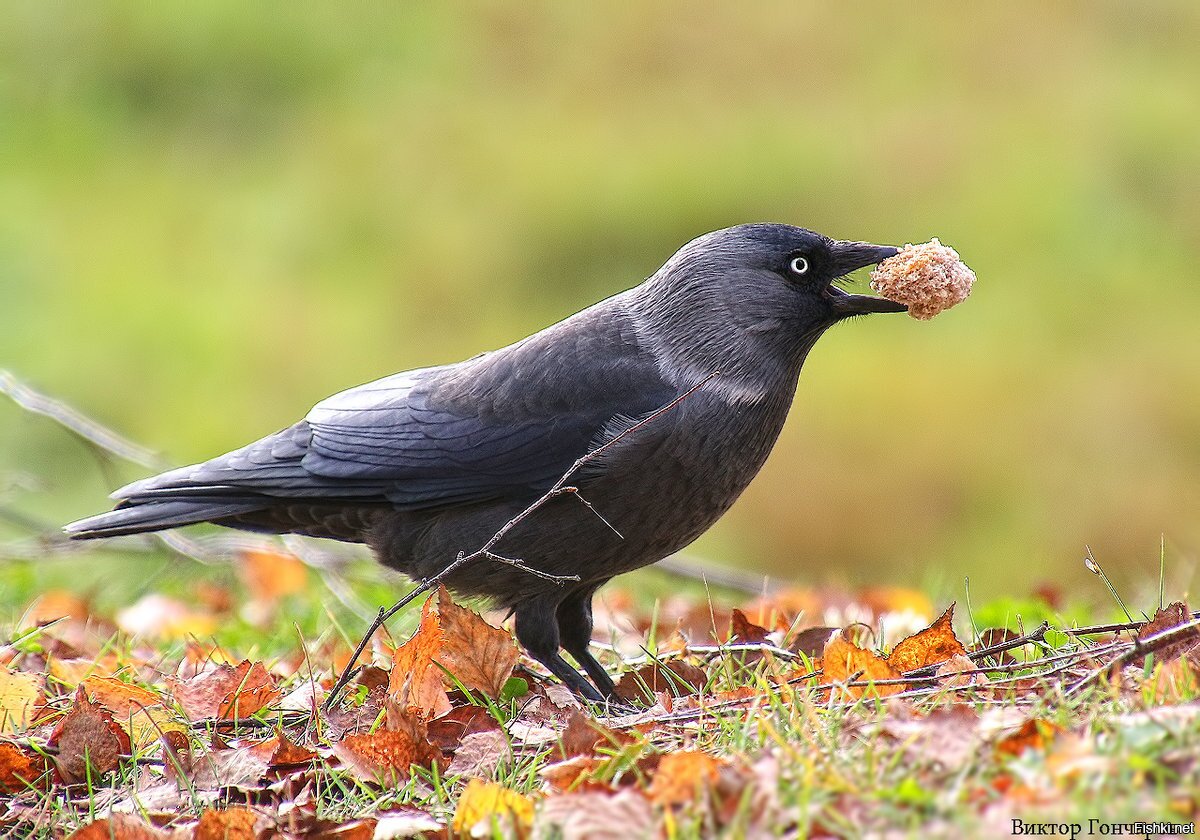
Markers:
799,265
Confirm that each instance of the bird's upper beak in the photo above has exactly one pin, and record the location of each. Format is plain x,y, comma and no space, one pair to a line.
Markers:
848,257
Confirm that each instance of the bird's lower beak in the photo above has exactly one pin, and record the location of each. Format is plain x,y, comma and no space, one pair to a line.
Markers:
848,257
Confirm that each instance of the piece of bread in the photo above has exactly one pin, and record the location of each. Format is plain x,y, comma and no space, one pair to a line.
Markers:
928,277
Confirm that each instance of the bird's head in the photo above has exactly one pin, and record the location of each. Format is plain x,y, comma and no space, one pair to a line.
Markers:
758,294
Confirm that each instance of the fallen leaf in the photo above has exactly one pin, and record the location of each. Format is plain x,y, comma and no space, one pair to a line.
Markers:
385,756
811,642
415,680
745,631
1035,734
1166,618
88,741
234,767
229,824
584,735
118,827
843,659
936,643
226,692
949,735
494,806
71,672
479,755
448,730
681,775
624,815
397,824
573,774
280,752
137,710
20,700
22,769
157,616
676,677
479,655
270,574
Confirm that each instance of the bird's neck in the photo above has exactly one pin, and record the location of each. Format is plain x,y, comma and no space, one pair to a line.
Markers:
696,332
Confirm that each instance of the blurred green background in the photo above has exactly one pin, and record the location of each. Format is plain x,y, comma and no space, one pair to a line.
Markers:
212,215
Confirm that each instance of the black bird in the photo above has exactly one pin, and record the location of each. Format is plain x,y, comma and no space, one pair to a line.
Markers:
428,463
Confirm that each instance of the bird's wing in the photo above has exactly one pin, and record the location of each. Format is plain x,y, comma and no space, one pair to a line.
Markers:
501,425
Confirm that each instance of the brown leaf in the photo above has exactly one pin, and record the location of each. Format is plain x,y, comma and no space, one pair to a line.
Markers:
354,830
226,692
235,767
936,643
118,827
811,642
495,806
416,681
682,775
1170,616
745,631
479,655
385,756
997,636
230,824
843,659
583,736
22,769
448,730
280,752
88,738
138,711
623,815
20,700
480,754
573,774
676,677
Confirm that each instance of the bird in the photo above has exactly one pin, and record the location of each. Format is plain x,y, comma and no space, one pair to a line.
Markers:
678,386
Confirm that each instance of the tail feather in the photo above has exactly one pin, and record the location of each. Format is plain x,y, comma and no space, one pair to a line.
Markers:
139,518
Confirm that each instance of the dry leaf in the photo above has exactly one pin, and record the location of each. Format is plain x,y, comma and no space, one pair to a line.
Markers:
118,827
386,756
22,769
625,815
1170,616
226,692
448,730
160,617
811,642
843,659
1034,734
480,754
676,677
682,775
270,575
137,710
479,655
415,680
573,774
230,824
89,742
495,806
745,631
936,643
20,700
401,823
584,736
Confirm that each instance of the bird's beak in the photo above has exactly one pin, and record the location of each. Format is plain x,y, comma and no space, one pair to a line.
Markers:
848,257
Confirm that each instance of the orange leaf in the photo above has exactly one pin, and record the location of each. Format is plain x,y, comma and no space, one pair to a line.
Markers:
495,806
118,827
843,659
226,692
745,631
270,575
230,824
584,736
936,643
479,655
386,756
88,738
21,768
1034,734
682,775
415,681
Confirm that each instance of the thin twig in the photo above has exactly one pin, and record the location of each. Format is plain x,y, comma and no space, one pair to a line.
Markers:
560,488
1139,648
69,418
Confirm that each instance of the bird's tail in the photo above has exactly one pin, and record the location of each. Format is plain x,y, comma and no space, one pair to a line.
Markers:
140,517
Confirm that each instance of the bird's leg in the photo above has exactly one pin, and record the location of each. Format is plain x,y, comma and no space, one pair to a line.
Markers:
574,616
537,631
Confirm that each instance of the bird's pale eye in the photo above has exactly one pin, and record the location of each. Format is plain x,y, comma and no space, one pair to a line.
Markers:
799,265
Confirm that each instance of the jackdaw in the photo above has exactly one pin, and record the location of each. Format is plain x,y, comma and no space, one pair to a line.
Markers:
428,463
